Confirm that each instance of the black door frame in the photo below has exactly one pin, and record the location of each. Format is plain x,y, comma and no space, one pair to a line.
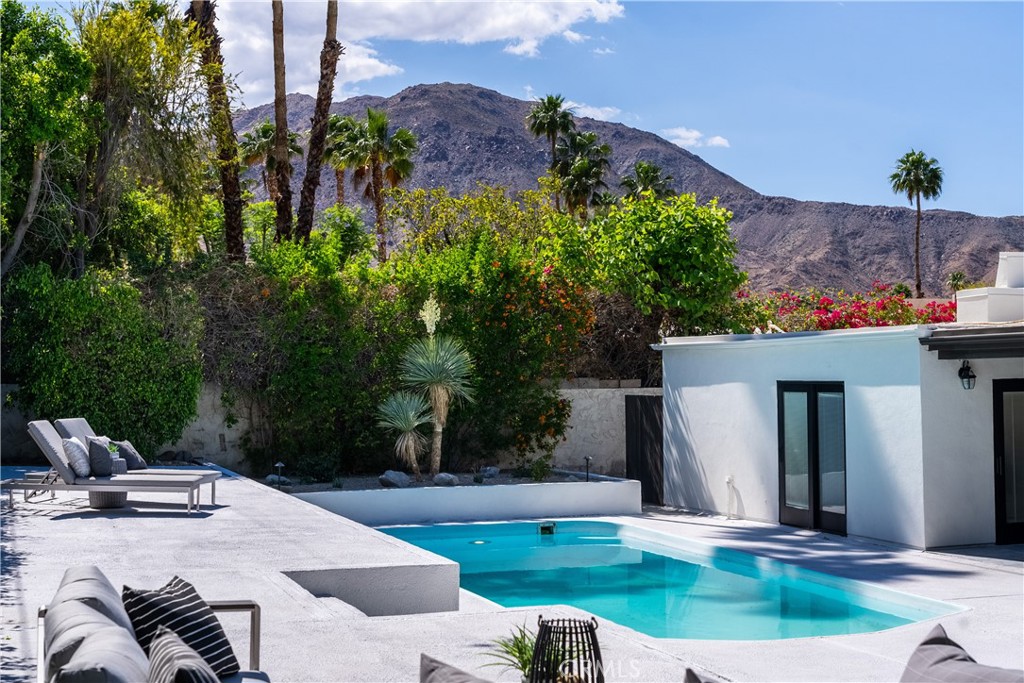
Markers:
645,459
1005,531
813,517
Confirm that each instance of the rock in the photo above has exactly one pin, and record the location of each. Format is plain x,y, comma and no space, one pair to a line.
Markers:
445,479
183,456
478,478
275,480
166,456
572,477
393,479
489,472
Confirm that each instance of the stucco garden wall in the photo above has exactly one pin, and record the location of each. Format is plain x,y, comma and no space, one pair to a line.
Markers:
721,423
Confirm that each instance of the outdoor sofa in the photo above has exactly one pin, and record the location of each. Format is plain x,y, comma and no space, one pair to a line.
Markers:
89,632
64,478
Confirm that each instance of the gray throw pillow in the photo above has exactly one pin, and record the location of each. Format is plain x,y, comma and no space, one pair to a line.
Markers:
130,455
88,584
107,655
939,659
78,456
172,661
101,462
436,671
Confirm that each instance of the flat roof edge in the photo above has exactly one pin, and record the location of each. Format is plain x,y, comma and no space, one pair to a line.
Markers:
761,340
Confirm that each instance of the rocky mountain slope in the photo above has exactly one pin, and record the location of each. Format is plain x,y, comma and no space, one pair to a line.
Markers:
470,135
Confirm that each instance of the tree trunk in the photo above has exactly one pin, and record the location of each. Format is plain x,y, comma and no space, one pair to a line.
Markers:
28,215
203,13
435,450
318,133
339,180
377,190
917,251
554,174
282,165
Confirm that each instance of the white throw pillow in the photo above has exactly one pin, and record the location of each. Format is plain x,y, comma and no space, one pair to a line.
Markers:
78,456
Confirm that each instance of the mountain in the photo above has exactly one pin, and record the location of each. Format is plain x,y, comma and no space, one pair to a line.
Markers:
471,135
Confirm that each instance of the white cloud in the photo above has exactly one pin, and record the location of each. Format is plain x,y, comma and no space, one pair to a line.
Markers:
594,112
603,51
691,137
522,27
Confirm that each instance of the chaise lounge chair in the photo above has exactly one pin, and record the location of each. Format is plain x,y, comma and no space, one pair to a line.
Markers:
49,442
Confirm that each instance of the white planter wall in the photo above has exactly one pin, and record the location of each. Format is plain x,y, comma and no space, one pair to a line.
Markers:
479,503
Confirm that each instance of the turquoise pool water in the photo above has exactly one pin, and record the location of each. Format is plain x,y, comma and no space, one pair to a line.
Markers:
660,585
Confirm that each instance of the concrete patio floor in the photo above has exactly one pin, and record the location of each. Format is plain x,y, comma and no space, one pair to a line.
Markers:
243,547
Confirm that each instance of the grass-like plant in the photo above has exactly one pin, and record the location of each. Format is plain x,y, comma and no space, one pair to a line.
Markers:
515,651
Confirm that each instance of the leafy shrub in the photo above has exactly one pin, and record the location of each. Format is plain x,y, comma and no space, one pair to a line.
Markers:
92,348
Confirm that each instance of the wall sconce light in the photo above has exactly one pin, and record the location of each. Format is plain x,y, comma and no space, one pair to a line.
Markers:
967,376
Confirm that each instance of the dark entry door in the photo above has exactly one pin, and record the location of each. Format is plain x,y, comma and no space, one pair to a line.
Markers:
1008,412
644,458
812,455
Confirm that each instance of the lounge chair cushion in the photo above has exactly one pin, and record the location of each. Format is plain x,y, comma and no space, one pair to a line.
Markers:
178,607
48,440
101,461
436,671
88,585
67,625
172,661
940,659
130,454
77,455
108,654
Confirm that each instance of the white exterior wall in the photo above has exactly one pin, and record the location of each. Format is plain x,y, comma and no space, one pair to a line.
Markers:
721,420
959,449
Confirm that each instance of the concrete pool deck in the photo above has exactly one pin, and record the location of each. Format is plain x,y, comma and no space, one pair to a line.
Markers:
257,543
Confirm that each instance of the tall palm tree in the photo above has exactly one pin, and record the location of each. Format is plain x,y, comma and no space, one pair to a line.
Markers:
582,161
343,134
917,176
404,412
441,368
549,119
381,158
282,166
332,49
647,177
257,147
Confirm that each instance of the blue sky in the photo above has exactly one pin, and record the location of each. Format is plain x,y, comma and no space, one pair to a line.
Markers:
802,99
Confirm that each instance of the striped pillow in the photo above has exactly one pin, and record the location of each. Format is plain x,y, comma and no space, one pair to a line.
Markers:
178,607
172,661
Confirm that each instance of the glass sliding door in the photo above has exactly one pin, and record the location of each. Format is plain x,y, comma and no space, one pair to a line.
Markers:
812,455
1009,459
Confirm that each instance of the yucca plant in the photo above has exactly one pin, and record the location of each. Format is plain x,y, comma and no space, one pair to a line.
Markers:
441,368
404,412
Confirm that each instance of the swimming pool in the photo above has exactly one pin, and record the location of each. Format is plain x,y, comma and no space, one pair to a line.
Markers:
661,585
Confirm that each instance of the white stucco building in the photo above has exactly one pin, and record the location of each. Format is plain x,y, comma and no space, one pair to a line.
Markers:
866,432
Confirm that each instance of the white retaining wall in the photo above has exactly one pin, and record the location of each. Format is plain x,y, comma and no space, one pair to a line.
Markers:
479,503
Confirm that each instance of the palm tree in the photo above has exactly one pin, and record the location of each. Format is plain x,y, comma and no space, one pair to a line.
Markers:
380,157
582,163
647,178
257,147
282,166
404,412
549,119
342,136
332,49
917,176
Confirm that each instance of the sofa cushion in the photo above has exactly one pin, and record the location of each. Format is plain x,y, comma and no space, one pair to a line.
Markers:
66,626
178,607
88,585
436,671
940,659
131,455
77,455
107,655
172,661
101,461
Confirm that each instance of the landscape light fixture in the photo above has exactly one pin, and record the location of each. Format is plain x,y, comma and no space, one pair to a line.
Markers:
967,376
587,460
279,465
